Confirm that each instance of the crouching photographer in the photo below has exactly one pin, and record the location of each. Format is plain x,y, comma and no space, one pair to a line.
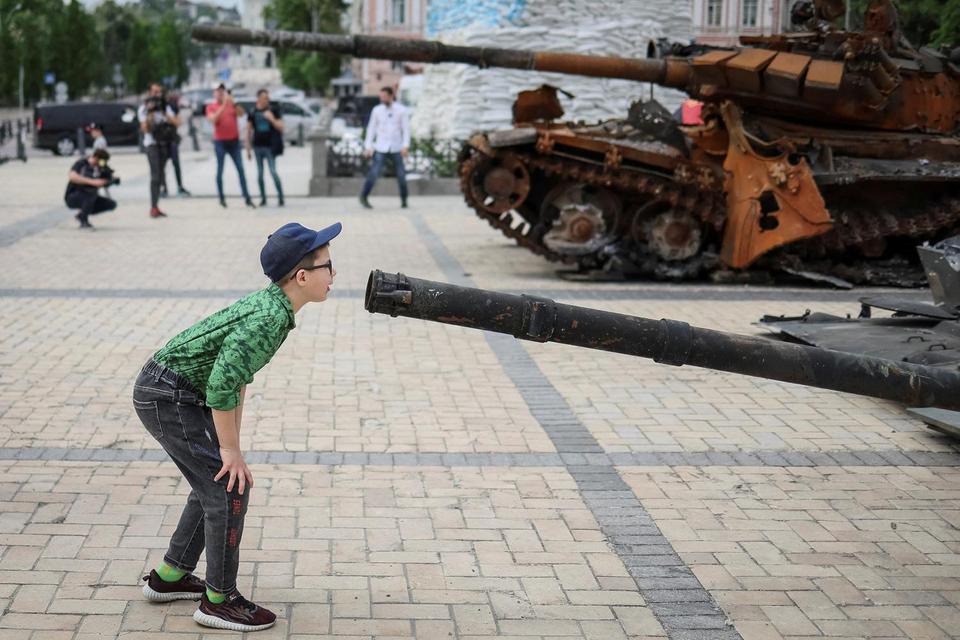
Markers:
86,177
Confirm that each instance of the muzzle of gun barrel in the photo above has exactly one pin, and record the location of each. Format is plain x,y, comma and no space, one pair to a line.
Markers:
387,292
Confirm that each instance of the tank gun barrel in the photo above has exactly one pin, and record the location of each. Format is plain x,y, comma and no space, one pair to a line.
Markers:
665,341
673,73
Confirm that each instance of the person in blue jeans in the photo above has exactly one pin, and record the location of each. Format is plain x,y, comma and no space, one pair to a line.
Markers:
223,113
265,135
388,136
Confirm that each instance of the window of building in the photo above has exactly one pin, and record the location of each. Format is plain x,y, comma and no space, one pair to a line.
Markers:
750,8
396,65
714,11
399,8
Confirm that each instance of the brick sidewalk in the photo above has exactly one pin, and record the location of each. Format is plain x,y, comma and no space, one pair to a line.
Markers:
421,480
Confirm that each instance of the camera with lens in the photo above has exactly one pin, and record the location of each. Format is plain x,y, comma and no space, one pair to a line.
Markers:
155,103
106,172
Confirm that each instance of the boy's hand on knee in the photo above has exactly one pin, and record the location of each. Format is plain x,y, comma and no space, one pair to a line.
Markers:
237,469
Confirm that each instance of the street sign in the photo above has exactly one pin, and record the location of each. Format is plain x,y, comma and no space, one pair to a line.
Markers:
49,78
60,92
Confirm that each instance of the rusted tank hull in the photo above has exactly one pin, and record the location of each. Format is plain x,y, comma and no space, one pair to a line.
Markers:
613,199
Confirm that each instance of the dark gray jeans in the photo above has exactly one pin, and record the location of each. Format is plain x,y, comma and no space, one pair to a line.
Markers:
212,519
157,155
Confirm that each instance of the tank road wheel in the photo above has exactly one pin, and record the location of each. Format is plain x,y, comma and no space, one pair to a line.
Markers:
581,219
498,184
669,235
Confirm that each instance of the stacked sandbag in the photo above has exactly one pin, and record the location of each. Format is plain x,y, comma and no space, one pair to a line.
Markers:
458,100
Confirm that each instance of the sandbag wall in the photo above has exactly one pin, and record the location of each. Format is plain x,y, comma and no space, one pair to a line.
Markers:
458,100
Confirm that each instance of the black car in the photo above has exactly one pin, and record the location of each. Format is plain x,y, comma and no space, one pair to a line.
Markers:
355,110
57,124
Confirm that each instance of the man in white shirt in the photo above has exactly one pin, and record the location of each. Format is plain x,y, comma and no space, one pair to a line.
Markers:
388,136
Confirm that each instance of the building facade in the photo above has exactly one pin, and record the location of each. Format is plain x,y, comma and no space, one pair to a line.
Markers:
400,18
722,22
255,57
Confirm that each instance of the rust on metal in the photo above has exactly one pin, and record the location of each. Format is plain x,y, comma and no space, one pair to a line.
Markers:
745,70
641,70
785,74
537,104
771,200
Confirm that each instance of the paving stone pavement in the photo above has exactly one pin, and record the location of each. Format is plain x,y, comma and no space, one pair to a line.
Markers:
420,480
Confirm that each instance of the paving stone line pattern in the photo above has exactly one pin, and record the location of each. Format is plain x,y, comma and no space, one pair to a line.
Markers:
16,231
671,590
770,458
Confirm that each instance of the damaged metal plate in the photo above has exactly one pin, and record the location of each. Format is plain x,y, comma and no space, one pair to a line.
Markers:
910,307
942,420
917,340
942,264
921,332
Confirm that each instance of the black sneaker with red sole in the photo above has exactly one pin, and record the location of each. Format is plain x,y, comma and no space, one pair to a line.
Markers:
236,613
156,589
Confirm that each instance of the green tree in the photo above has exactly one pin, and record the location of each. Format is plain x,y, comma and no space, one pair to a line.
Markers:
74,47
138,69
948,31
167,51
923,22
115,24
303,69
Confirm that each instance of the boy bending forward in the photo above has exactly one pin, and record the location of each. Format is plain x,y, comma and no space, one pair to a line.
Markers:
189,396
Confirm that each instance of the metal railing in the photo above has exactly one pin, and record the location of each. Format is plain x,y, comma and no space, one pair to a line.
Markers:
14,132
427,158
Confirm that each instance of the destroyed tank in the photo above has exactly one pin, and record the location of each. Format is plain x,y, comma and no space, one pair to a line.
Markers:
817,152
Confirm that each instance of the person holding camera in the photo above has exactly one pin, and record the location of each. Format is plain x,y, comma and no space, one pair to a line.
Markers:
265,137
86,176
223,113
159,125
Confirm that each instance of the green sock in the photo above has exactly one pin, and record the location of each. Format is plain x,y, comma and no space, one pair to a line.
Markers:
168,573
215,596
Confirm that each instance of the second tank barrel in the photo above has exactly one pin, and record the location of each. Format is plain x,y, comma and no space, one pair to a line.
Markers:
665,341
674,73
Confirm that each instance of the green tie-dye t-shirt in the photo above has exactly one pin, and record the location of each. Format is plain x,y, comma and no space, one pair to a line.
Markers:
222,352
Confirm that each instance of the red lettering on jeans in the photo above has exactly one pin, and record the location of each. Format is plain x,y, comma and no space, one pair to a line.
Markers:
232,540
237,507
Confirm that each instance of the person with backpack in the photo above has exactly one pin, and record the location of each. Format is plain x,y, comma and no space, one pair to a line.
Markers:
265,137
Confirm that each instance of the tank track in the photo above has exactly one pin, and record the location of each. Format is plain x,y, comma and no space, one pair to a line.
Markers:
855,226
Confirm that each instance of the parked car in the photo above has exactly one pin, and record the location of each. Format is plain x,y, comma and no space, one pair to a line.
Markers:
195,100
293,113
355,110
56,125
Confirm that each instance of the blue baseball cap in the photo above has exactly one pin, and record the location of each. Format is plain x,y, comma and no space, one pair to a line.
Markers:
286,247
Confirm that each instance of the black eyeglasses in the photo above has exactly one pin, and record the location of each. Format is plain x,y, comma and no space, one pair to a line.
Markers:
326,265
